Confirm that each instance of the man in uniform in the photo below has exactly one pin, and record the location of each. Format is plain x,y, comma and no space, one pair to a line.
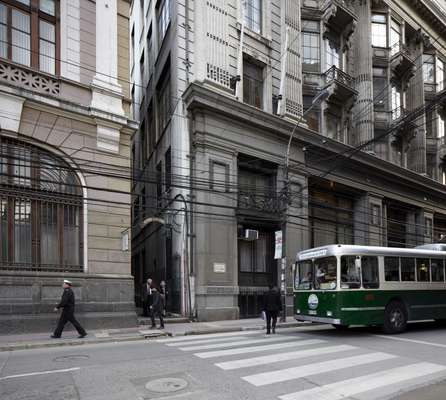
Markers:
67,305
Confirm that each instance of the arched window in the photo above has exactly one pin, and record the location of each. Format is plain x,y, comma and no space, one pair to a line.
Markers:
40,210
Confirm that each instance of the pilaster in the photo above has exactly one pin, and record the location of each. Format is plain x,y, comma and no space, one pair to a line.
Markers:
363,110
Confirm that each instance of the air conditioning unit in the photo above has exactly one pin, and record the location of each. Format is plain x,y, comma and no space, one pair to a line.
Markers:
251,234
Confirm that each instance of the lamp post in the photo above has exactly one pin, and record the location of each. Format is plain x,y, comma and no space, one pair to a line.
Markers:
319,98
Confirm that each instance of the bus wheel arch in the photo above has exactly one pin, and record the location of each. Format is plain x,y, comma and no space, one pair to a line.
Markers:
395,317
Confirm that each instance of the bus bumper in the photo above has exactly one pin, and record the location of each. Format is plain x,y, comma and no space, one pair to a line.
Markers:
324,320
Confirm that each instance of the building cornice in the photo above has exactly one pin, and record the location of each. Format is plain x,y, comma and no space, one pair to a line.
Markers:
198,98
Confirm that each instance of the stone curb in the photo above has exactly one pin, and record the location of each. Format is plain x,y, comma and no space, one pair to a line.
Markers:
29,346
140,336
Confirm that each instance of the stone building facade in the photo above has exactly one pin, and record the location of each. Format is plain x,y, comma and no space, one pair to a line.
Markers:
219,88
65,129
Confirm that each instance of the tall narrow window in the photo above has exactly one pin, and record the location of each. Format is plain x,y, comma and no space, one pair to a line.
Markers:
311,46
22,231
252,84
428,68
379,88
159,184
4,231
163,12
28,34
332,52
163,98
440,75
20,37
253,15
395,37
149,50
379,30
441,127
47,47
396,102
168,167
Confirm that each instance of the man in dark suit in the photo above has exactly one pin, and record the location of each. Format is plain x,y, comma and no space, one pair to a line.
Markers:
272,305
157,308
147,298
67,305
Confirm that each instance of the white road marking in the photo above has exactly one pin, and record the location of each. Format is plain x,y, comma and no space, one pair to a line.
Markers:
204,341
238,342
412,341
54,371
350,387
301,371
208,336
274,358
253,349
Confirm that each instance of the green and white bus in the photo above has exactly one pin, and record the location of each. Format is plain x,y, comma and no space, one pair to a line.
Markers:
348,285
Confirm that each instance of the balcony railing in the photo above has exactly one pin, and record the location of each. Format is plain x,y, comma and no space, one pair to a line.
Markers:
398,113
265,202
335,74
24,77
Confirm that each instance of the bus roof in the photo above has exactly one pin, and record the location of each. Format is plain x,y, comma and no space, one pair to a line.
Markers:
349,249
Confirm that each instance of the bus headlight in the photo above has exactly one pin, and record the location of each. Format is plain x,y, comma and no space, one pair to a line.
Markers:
297,311
329,314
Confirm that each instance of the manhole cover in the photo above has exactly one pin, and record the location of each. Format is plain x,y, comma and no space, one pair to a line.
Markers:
73,357
166,385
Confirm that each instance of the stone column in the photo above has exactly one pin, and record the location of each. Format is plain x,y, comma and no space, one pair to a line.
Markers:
416,155
363,109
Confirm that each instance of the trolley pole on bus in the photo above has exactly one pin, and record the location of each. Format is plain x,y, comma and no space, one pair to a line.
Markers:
321,96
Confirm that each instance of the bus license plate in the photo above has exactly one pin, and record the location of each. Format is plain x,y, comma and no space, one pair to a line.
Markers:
312,312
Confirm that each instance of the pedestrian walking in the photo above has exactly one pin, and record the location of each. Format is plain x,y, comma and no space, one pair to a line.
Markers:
157,308
146,298
67,315
164,293
272,305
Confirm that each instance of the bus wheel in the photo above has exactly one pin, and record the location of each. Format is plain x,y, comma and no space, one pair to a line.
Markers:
395,318
341,327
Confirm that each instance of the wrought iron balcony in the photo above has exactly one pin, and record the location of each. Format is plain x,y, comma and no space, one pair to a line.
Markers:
401,61
272,203
340,84
339,18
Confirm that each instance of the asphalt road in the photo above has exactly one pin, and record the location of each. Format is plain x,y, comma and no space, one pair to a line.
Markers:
311,363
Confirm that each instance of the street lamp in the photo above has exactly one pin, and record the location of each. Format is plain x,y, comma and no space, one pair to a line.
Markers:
318,99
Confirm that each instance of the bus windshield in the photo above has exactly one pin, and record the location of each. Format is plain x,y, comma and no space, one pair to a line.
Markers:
320,274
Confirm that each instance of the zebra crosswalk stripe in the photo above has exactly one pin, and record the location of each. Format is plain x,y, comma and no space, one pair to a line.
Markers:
301,371
254,349
205,341
208,336
278,357
351,387
234,343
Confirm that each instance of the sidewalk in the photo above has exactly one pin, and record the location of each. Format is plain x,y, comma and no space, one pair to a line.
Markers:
69,338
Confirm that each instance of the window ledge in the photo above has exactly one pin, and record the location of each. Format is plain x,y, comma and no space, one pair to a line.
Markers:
257,36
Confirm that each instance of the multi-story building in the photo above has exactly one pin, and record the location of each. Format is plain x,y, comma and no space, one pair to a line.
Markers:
220,86
65,132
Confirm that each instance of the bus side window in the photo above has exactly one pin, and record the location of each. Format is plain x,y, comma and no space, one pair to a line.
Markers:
391,268
407,269
369,267
350,278
423,270
437,270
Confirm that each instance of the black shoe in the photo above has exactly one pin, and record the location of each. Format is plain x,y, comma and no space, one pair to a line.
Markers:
274,330
162,327
82,336
268,332
153,327
54,337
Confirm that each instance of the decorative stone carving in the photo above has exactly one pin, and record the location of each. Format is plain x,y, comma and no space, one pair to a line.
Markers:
28,79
